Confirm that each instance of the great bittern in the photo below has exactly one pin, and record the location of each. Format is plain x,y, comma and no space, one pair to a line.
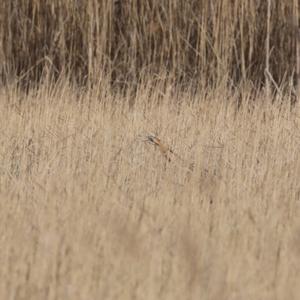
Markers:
163,148
166,151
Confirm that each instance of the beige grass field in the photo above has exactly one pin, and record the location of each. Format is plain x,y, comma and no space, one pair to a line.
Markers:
88,210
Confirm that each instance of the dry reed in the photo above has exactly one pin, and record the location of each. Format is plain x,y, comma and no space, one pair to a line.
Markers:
205,41
89,211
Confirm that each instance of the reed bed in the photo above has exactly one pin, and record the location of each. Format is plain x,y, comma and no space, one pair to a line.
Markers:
207,42
88,210
149,149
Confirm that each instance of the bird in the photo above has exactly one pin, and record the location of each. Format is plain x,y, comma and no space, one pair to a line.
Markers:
168,152
164,149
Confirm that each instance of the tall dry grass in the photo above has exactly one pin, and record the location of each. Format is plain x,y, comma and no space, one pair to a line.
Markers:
207,41
90,211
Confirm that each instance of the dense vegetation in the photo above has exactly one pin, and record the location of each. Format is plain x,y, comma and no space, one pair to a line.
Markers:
90,209
207,42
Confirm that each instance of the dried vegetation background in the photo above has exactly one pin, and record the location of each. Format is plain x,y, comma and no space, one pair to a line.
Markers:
207,41
89,209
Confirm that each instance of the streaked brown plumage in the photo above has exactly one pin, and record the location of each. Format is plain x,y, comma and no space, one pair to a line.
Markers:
167,152
163,148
